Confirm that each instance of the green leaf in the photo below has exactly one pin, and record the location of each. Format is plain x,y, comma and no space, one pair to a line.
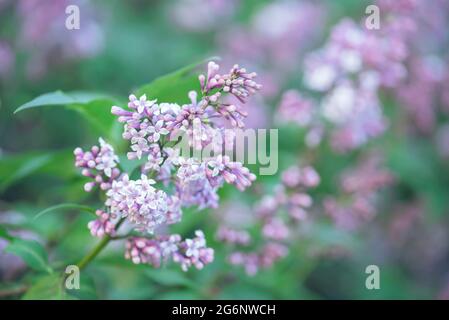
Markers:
47,99
98,113
94,107
169,278
175,86
4,234
129,166
59,98
414,164
46,288
178,295
14,168
65,206
31,252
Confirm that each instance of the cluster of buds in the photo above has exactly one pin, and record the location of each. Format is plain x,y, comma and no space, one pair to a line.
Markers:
253,261
360,187
276,227
296,108
103,225
100,164
233,236
187,253
238,82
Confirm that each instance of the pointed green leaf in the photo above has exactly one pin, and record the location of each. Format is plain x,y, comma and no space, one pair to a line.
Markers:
31,252
59,98
175,86
46,288
167,277
94,107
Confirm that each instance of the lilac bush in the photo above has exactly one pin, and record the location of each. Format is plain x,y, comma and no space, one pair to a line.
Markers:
361,115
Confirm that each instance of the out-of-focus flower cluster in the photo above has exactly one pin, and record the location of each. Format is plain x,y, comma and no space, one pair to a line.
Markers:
350,69
169,179
42,33
360,188
424,93
356,64
187,253
213,13
277,217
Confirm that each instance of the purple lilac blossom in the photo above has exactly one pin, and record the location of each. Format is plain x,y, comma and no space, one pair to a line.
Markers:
149,127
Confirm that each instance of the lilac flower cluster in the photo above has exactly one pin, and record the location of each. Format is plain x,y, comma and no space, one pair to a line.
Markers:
42,33
350,69
103,225
149,125
423,96
265,258
169,180
289,195
238,82
295,108
272,49
233,236
276,228
187,253
356,64
139,202
99,164
360,187
292,27
212,12
354,50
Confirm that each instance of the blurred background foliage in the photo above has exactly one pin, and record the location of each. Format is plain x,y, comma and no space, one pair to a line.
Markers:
141,42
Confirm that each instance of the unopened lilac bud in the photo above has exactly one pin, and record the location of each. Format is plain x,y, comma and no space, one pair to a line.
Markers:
88,186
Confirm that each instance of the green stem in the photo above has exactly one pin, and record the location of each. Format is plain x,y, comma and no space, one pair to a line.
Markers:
97,249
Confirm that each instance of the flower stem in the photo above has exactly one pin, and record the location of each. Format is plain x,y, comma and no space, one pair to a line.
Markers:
97,249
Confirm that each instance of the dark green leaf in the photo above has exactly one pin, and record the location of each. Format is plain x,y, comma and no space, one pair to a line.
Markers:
46,288
168,277
175,86
94,107
98,113
4,234
31,252
130,165
16,168
59,98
